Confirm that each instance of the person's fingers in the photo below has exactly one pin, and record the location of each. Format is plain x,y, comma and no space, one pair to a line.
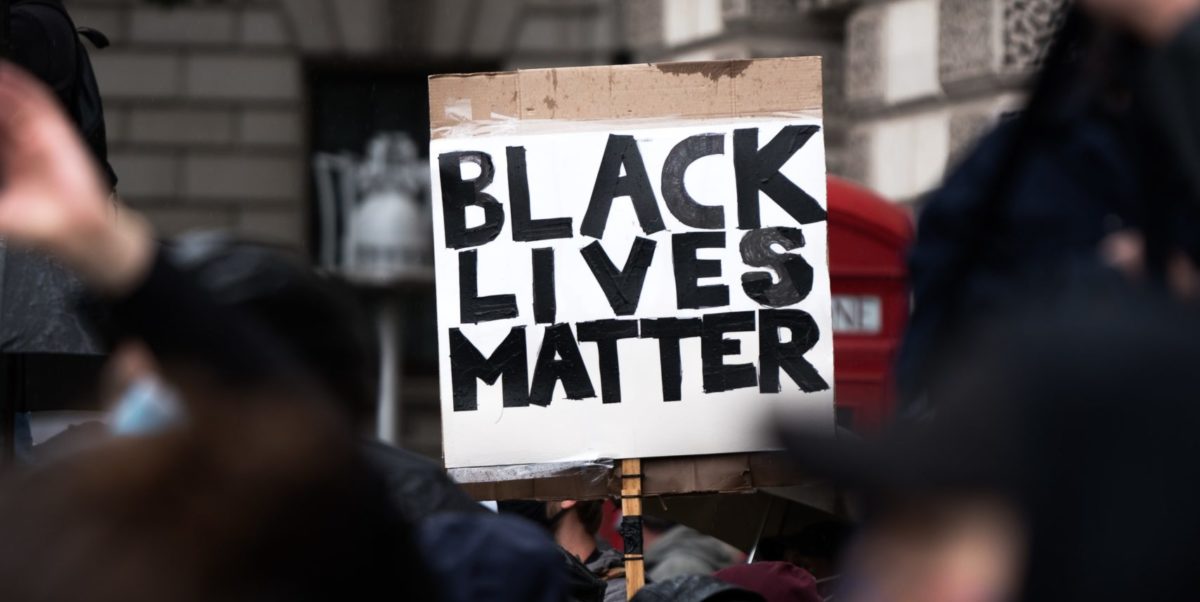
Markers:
48,180
36,139
26,108
1125,252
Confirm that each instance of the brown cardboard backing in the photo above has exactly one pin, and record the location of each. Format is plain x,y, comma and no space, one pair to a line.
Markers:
710,89
663,90
728,473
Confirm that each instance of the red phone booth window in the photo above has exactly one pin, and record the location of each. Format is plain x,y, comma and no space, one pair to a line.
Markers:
868,240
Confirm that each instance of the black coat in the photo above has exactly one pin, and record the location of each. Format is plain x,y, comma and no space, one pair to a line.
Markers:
1108,154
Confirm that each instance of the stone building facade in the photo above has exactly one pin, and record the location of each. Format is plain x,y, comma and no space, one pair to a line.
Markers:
206,100
209,102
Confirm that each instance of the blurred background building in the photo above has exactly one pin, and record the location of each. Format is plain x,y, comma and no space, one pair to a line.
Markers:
217,108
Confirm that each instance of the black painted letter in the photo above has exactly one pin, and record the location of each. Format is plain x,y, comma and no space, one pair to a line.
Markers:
545,304
559,342
669,331
610,184
759,170
689,270
795,275
719,376
605,334
775,354
525,228
508,361
473,309
679,202
458,194
622,287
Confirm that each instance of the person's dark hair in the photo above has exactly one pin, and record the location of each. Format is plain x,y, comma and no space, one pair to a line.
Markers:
317,318
591,514
265,500
824,540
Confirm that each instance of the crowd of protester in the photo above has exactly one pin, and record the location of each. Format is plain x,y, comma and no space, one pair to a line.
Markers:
1046,452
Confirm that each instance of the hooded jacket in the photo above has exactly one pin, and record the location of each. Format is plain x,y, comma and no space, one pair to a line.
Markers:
685,551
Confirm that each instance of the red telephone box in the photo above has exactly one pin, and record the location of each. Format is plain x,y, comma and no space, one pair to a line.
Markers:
868,239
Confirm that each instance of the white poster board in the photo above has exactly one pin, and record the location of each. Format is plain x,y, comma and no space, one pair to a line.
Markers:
556,345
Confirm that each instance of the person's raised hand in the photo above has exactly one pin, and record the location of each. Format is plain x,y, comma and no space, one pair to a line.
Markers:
1155,21
51,196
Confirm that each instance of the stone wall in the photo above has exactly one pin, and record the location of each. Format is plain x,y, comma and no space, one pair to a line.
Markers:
909,84
206,108
204,114
205,101
925,78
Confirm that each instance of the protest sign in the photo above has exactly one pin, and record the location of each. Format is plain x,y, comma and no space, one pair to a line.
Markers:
631,261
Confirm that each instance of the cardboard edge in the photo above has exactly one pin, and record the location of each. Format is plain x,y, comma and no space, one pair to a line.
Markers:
479,94
684,475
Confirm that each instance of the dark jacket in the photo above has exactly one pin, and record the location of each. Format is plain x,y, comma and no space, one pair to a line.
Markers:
492,557
418,487
1077,179
582,585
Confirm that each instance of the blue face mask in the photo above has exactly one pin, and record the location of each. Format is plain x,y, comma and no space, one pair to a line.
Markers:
147,407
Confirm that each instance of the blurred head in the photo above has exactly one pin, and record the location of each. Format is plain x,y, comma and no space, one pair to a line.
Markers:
572,523
938,549
589,513
267,501
550,515
318,320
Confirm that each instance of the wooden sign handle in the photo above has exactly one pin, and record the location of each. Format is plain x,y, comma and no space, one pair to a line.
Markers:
631,526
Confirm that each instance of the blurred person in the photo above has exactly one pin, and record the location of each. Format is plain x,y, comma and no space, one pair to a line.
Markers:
44,40
1061,469
936,547
1101,170
774,581
265,500
1056,463
574,526
261,495
673,550
319,322
575,529
333,339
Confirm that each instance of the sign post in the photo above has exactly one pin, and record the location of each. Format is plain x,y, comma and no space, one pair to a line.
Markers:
631,526
631,262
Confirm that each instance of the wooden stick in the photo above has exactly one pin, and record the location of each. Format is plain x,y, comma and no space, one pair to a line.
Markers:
631,509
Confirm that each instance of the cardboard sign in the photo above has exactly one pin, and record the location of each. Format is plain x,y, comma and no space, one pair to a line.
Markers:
616,288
